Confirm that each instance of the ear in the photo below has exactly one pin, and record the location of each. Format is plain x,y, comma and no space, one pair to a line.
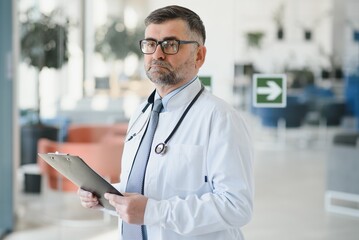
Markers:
200,56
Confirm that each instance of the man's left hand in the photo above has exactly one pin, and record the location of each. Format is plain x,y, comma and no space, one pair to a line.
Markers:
130,207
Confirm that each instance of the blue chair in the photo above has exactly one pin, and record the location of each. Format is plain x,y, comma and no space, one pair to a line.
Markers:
323,105
62,123
352,95
293,114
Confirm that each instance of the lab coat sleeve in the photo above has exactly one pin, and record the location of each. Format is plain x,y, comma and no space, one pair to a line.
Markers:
229,203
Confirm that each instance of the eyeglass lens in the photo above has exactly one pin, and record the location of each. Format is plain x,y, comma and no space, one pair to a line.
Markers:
167,46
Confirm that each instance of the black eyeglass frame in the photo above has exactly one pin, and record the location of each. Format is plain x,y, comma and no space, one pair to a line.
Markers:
162,48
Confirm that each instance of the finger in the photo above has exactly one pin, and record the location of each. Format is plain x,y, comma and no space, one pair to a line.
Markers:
113,197
89,203
92,206
115,200
89,200
127,194
84,193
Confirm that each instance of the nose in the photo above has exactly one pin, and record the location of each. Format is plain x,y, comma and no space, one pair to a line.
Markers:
158,54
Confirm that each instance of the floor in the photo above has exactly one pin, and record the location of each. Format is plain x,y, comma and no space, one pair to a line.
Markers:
290,184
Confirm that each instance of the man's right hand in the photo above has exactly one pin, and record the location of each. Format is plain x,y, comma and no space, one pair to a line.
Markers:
88,200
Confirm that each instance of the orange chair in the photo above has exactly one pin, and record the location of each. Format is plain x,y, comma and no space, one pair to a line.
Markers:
103,156
94,133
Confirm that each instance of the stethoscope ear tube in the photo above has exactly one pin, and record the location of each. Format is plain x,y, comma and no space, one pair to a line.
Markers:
149,102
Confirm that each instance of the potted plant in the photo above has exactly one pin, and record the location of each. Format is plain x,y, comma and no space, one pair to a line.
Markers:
254,39
115,41
43,44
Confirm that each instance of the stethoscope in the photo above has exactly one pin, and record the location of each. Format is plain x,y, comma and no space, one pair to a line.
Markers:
161,148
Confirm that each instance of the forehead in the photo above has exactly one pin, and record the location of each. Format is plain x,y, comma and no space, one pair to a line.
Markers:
176,28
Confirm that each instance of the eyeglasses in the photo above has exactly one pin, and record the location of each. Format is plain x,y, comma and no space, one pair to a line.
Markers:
169,47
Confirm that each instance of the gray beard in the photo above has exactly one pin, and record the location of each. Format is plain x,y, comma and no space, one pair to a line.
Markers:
170,78
165,79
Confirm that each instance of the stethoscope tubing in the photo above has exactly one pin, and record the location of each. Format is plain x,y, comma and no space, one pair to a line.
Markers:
183,115
161,147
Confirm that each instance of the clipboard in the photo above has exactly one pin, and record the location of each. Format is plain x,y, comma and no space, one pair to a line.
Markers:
78,172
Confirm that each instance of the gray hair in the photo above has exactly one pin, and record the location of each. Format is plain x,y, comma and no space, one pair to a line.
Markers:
164,14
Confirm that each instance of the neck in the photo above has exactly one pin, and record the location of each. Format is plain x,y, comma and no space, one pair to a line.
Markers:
163,90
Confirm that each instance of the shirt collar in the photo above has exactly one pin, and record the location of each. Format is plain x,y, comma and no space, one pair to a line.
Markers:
169,96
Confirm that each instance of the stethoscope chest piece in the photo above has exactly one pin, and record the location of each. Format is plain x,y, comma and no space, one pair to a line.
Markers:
160,148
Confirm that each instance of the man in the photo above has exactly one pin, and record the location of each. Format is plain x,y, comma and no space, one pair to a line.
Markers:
197,182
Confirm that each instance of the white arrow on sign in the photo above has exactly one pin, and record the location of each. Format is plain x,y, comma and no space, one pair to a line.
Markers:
273,90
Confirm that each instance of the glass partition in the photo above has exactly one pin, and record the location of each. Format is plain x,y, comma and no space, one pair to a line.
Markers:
79,76
80,57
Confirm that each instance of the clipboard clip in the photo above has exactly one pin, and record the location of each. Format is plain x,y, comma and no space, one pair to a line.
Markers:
58,153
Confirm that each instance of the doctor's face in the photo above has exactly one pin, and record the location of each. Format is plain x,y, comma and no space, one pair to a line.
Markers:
173,70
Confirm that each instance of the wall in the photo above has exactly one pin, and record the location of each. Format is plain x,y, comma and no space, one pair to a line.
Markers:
348,22
228,23
293,51
218,20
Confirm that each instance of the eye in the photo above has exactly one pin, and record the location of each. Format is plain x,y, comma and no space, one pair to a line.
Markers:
165,44
170,46
150,44
172,43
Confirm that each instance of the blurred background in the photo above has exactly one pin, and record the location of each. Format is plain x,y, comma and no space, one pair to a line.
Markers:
72,74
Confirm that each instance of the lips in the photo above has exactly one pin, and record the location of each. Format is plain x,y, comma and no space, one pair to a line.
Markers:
156,65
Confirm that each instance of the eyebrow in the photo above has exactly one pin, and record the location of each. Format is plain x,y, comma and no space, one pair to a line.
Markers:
151,39
164,39
170,38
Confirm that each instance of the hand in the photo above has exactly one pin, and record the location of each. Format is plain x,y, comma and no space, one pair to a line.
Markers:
88,200
130,207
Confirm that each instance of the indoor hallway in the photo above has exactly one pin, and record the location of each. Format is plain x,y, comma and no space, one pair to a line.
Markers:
289,197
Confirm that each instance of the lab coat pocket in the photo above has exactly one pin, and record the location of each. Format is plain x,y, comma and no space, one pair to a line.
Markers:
186,168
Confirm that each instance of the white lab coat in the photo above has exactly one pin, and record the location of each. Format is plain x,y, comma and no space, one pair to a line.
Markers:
202,188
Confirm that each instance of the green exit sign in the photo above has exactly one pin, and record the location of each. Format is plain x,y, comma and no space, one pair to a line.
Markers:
269,90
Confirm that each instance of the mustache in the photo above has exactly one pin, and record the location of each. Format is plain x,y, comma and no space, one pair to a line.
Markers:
160,63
